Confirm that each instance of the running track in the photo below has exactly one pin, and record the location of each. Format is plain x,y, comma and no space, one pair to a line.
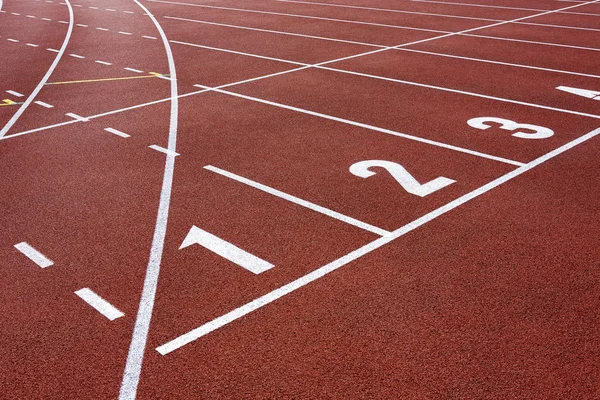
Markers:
281,199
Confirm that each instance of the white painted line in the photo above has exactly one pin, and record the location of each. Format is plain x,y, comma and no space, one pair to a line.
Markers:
102,29
163,150
82,25
109,9
226,250
14,13
590,94
299,201
93,8
149,37
77,117
41,103
44,79
32,45
137,71
13,40
367,126
99,304
135,356
76,56
103,62
14,93
117,132
125,33
54,50
41,260
128,12
358,253
30,16
46,19
63,22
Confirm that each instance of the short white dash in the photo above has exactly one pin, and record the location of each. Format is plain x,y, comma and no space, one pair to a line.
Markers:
77,5
98,303
103,62
32,45
102,29
163,150
226,250
14,13
30,16
46,19
110,9
41,260
117,132
77,117
53,50
128,12
63,22
149,37
125,33
13,40
41,103
133,70
15,93
93,8
82,25
76,55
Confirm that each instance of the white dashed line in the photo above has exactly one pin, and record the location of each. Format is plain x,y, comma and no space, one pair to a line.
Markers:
163,150
13,40
76,55
149,37
46,19
99,304
125,33
137,71
103,62
81,25
41,260
117,132
63,22
32,45
15,93
52,50
102,29
77,117
41,103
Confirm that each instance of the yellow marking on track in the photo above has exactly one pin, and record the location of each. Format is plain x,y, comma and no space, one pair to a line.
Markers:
8,102
153,75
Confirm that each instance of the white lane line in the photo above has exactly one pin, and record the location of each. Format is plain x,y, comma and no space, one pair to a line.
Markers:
13,40
445,33
63,22
137,71
99,304
82,25
149,37
103,62
43,104
76,56
41,260
299,201
135,356
365,126
15,93
226,250
77,117
500,7
31,45
436,15
30,16
358,253
93,8
125,33
109,9
117,132
364,44
128,12
163,150
46,19
45,78
53,50
102,29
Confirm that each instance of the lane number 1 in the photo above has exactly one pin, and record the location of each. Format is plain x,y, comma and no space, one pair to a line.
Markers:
539,132
401,175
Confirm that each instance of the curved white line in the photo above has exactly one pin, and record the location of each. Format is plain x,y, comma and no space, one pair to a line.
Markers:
41,84
133,365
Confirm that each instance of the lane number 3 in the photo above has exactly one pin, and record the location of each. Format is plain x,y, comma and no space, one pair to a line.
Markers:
401,175
539,132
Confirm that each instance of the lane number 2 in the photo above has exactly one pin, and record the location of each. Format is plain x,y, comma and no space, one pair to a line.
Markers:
401,175
539,132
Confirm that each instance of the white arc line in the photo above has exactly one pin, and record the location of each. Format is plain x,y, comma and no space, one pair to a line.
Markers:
135,356
41,260
226,250
99,304
356,254
365,126
299,201
41,84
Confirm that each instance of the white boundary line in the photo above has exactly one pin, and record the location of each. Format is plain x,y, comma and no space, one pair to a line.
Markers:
500,7
45,78
299,201
356,254
366,126
99,304
438,15
135,356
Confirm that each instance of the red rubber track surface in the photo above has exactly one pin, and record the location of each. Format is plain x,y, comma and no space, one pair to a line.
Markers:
488,290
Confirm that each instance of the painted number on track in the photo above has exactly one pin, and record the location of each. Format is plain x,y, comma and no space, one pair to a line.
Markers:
539,132
401,175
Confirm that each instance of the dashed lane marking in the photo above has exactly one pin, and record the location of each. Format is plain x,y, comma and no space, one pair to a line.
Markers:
226,250
34,255
99,304
117,132
77,117
15,93
156,75
41,103
133,70
299,201
76,56
163,150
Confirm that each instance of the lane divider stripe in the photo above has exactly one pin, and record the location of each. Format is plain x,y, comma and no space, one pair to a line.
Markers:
41,260
99,304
